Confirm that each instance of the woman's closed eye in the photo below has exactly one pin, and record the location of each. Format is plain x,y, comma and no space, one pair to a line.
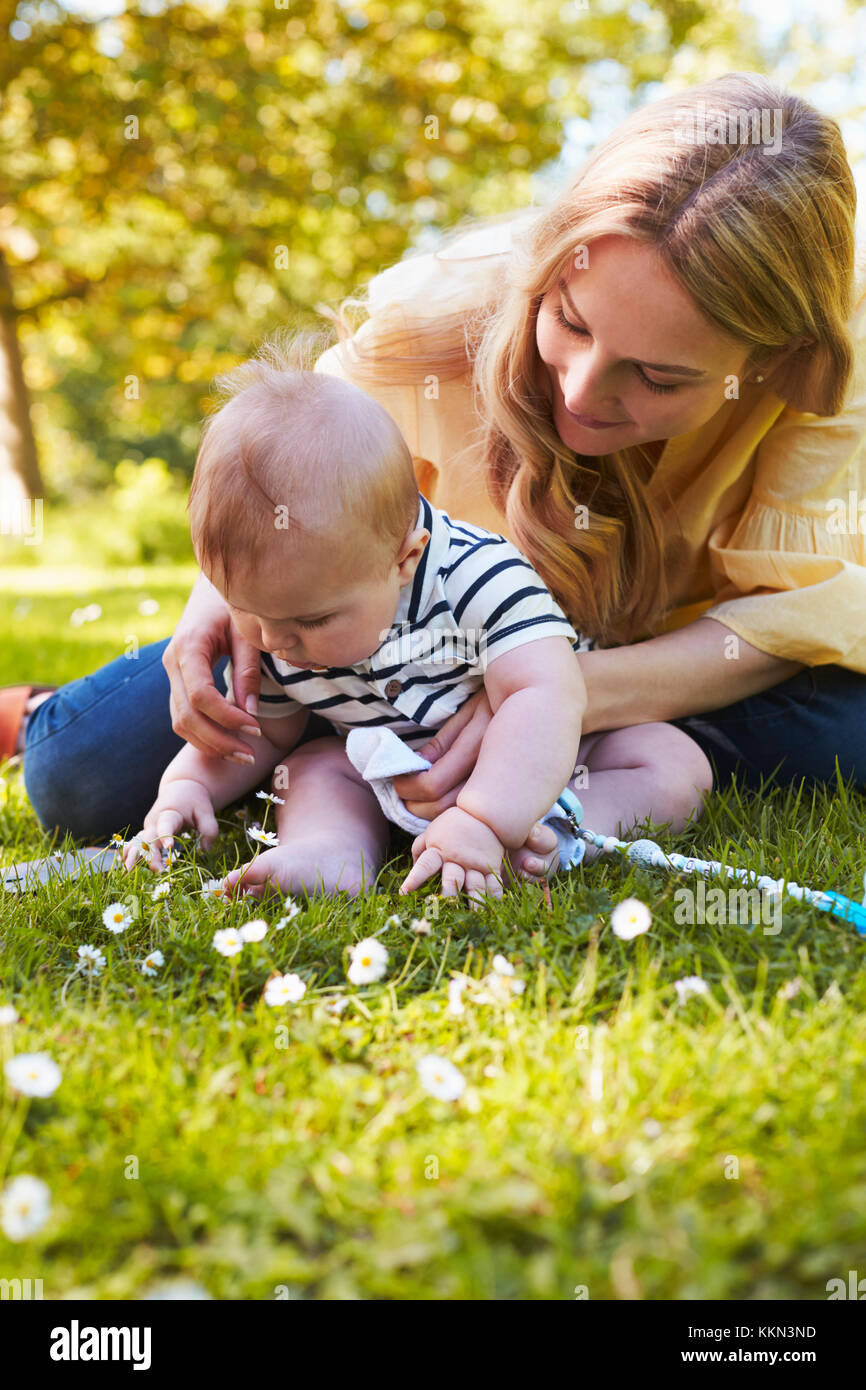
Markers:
582,333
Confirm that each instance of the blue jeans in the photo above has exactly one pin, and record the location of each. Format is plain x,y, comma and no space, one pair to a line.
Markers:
96,749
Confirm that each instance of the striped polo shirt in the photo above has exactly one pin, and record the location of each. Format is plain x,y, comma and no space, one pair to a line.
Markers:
472,598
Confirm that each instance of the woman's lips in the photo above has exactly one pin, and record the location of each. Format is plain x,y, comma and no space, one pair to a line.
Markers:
590,423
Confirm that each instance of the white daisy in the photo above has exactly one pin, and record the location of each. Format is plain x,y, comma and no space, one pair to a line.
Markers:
292,910
502,966
335,1005
117,917
692,984
395,920
369,962
630,918
256,930
264,837
284,989
161,891
440,1077
214,888
26,1206
8,1015
33,1074
269,796
228,941
92,961
420,926
148,606
152,963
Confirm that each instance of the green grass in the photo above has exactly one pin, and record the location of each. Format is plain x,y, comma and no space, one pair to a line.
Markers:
602,1124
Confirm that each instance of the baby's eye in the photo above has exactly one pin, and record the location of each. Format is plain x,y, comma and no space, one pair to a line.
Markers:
320,622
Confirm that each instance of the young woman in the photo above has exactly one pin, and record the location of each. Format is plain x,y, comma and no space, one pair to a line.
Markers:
656,387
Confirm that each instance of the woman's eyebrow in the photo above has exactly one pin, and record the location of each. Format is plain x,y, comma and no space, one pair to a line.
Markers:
653,366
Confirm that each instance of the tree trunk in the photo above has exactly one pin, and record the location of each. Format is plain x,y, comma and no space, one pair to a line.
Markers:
20,479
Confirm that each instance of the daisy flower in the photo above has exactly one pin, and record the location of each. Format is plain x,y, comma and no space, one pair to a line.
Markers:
269,796
292,910
369,962
256,930
502,966
692,984
152,963
630,918
228,941
264,837
420,926
90,959
148,606
214,888
440,1077
25,1206
8,1015
395,920
161,891
117,917
33,1074
284,989
335,1005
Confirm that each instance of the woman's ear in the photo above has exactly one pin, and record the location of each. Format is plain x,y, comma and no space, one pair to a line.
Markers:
762,370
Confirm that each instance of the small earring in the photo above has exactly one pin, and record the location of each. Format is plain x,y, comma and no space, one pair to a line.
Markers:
759,378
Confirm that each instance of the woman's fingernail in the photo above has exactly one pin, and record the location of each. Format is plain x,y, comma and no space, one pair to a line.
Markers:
241,758
250,729
251,704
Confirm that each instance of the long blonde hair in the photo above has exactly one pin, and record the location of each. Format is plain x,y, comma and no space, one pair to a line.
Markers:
763,241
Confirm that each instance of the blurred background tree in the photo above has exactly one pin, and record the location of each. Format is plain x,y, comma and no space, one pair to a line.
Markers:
178,180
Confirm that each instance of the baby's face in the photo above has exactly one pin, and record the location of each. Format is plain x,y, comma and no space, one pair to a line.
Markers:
314,611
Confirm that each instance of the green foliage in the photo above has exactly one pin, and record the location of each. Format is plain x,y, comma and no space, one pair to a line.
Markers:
224,172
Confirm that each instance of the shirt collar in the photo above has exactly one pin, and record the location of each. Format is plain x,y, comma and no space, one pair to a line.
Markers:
416,595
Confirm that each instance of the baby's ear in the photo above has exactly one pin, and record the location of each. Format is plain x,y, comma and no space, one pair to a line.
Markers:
411,551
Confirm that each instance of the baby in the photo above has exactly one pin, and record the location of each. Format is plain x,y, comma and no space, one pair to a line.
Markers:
371,607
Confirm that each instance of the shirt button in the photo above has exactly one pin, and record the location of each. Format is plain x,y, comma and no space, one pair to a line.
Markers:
393,688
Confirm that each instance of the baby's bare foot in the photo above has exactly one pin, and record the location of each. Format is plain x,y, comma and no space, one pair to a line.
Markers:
307,866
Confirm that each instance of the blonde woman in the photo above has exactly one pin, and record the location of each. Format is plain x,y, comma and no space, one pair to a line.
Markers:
656,388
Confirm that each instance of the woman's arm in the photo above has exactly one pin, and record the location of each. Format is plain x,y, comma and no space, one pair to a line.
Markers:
701,666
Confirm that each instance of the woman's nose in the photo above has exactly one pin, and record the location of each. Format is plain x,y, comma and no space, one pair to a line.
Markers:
584,388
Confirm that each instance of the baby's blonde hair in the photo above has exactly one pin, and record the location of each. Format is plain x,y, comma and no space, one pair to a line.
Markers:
291,453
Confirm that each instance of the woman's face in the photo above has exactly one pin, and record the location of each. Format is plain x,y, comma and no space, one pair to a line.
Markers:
623,343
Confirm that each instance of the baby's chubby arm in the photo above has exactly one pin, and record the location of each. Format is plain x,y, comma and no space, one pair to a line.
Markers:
194,785
529,750
527,756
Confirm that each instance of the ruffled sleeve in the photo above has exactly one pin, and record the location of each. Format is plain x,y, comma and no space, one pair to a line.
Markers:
789,571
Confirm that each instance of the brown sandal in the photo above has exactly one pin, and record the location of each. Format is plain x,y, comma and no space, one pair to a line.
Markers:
13,703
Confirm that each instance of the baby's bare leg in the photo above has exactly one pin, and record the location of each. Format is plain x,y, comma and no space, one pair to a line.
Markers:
331,828
650,771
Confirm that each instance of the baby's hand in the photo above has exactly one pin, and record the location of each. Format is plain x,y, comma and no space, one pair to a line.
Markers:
180,803
466,850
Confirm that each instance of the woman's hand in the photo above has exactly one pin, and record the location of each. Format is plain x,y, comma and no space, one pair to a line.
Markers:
199,712
453,752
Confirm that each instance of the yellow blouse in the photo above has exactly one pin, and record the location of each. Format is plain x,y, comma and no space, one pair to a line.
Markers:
762,503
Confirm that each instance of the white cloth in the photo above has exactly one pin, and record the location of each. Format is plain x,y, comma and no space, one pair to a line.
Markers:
380,755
